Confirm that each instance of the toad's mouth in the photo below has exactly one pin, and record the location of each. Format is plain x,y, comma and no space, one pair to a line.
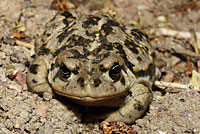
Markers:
114,100
89,98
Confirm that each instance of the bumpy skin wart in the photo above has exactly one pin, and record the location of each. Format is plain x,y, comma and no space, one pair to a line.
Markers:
94,61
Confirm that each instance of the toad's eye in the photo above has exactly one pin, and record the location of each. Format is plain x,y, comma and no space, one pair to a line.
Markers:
115,72
64,72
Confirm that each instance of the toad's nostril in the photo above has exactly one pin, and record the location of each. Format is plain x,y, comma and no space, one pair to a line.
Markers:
81,81
97,82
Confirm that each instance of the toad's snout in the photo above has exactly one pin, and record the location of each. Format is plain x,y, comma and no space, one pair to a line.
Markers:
88,82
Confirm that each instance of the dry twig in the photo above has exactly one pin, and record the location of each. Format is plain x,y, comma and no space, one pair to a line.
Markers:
28,45
174,33
175,85
176,47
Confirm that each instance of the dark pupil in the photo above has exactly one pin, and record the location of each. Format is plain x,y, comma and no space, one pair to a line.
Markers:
115,72
64,72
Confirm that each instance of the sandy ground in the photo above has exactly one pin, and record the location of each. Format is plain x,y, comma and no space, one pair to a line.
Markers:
171,112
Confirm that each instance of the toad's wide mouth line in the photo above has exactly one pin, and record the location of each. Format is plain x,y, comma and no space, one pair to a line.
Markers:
89,98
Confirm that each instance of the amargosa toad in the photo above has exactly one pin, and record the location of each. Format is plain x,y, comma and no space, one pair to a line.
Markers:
95,61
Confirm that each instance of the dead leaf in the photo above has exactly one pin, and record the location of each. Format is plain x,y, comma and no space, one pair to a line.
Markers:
18,35
11,72
117,128
18,30
186,7
62,5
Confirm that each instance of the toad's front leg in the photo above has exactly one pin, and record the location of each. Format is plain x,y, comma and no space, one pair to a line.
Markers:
135,105
37,76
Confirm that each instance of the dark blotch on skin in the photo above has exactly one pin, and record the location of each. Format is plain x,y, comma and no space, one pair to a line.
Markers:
86,52
48,34
67,22
58,51
74,40
122,80
103,46
139,58
107,28
91,34
52,66
128,93
146,49
134,46
102,69
77,54
128,63
103,38
81,81
63,35
34,81
123,68
139,35
54,78
97,50
149,71
97,82
99,58
76,70
43,50
113,23
91,20
108,46
77,40
33,68
138,107
121,51
67,15
154,55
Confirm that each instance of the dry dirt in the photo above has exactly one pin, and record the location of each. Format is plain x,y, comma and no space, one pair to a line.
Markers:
171,112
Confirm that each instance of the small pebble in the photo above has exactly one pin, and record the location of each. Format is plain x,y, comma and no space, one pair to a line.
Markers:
21,79
182,100
47,96
16,87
